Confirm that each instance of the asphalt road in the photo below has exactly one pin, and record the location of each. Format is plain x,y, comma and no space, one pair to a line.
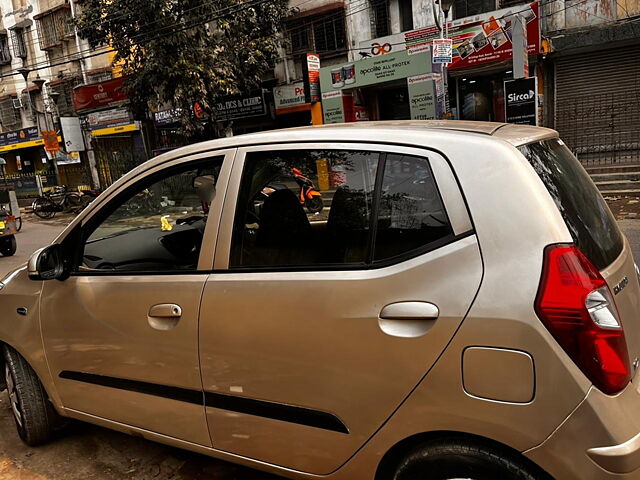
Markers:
86,452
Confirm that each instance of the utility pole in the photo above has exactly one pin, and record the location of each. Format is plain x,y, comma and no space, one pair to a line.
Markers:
443,14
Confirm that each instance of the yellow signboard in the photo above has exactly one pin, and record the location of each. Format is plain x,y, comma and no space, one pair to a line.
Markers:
111,130
31,143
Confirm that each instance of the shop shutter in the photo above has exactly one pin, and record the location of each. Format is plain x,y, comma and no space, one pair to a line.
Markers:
597,106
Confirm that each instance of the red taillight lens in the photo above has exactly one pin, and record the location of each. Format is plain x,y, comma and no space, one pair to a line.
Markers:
576,306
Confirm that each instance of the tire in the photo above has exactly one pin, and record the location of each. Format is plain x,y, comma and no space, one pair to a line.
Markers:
461,459
18,223
8,246
33,413
44,208
314,204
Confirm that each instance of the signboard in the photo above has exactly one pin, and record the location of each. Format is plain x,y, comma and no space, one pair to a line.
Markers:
422,96
18,136
166,117
477,40
63,158
442,50
520,101
371,71
290,98
114,117
100,95
72,134
50,138
237,107
311,76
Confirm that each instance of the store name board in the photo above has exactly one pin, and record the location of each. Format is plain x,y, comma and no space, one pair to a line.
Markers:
311,75
336,82
237,107
100,95
114,117
167,117
521,101
290,98
19,136
477,40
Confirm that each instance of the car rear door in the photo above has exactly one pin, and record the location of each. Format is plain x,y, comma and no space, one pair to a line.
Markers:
314,327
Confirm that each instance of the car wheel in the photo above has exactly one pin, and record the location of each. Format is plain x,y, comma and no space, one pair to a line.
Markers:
8,246
460,459
34,414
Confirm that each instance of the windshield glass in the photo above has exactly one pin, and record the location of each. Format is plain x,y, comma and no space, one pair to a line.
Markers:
591,223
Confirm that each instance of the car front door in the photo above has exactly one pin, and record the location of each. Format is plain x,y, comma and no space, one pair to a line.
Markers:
120,333
315,326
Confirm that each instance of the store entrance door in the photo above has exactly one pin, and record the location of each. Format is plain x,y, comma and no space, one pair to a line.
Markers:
115,156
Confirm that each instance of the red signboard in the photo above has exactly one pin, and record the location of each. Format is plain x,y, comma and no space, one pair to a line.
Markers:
477,40
100,95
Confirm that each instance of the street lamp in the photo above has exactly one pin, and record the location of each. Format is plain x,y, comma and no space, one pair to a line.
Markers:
24,71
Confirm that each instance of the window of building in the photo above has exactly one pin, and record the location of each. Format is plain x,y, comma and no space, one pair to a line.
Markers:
53,27
356,224
19,43
9,115
323,34
380,21
406,14
467,8
157,225
5,53
64,88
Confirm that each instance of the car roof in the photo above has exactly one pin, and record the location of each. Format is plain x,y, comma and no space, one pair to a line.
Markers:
365,132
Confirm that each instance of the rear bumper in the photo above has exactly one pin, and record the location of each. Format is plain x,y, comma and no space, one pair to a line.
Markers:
599,440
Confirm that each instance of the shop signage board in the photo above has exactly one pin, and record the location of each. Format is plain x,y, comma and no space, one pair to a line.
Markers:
311,75
100,95
477,40
163,118
233,108
50,138
114,117
18,136
336,81
521,101
290,98
442,50
64,158
422,96
72,134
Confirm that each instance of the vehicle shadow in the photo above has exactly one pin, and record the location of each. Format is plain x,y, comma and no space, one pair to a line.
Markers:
82,451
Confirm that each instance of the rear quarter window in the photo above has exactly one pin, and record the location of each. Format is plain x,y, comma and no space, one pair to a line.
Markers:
588,218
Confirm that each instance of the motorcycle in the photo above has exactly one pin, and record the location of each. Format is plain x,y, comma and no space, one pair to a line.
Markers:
309,196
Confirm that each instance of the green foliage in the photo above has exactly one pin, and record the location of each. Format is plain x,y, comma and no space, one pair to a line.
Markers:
178,52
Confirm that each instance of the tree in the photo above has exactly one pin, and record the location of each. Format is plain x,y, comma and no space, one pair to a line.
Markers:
179,52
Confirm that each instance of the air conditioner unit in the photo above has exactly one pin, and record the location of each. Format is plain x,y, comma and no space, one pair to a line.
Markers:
17,103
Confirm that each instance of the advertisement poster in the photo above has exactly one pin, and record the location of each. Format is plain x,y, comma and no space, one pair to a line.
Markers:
422,96
290,98
476,40
442,50
333,107
311,75
521,100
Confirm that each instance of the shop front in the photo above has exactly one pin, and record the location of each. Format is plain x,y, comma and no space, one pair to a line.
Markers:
116,138
399,85
25,163
482,60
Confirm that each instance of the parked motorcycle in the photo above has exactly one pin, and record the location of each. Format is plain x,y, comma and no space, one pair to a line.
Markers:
309,196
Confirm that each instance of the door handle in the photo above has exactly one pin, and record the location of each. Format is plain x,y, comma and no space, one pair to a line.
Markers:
410,311
408,319
165,310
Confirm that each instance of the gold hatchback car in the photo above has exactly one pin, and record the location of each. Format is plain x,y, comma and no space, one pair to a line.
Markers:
375,301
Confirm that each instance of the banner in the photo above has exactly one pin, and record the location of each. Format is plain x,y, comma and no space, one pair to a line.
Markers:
290,98
422,96
18,136
477,40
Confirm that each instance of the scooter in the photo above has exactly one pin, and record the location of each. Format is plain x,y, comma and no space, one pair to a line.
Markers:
309,196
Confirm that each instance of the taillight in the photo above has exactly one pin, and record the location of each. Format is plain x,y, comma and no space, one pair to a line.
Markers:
576,306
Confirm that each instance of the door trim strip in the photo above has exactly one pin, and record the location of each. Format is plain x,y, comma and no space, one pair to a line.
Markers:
222,401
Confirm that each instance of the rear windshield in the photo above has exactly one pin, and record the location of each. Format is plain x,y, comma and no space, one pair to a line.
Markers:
592,226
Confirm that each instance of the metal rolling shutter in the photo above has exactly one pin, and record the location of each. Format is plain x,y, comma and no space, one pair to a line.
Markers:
598,104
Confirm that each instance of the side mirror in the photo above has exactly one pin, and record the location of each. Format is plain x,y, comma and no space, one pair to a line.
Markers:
47,264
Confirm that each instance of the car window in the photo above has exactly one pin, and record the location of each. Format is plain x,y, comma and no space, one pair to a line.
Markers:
411,215
157,225
304,207
588,218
